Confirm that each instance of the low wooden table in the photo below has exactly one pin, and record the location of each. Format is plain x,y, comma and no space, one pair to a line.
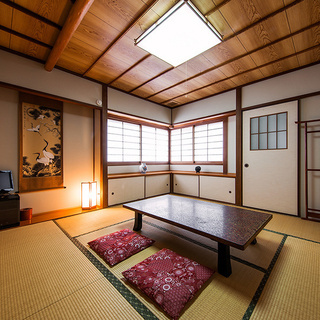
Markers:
229,226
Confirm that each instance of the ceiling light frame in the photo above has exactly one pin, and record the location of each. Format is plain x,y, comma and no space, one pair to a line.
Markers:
166,35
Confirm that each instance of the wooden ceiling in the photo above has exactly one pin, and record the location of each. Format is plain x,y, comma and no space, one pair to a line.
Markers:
95,39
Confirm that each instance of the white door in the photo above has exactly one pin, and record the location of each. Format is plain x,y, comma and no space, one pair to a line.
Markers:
270,158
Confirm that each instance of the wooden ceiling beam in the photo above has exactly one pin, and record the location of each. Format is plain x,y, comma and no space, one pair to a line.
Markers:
31,13
241,56
76,14
246,71
122,34
23,36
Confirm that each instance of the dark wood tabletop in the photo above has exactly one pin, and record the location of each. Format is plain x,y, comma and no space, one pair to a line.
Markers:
233,226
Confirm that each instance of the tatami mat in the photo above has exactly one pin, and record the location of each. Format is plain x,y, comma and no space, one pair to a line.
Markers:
293,289
39,266
90,221
49,272
231,296
295,226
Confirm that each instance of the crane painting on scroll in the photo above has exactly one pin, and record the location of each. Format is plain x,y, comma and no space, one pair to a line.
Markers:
41,143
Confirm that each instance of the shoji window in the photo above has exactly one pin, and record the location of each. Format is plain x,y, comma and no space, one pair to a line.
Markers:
208,142
133,143
182,144
154,144
198,143
123,141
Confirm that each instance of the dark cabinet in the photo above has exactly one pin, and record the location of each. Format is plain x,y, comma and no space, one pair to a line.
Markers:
9,210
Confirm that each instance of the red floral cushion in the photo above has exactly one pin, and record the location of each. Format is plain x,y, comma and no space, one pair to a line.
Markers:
168,279
120,245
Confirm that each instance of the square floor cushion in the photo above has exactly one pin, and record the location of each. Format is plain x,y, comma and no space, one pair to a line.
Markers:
120,245
168,279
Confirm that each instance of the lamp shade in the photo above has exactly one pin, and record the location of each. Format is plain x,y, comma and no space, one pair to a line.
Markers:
88,195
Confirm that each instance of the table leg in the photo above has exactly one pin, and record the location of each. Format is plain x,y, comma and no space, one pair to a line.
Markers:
137,221
254,241
224,262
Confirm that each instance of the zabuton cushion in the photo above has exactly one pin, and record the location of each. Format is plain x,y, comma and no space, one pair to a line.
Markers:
120,245
168,279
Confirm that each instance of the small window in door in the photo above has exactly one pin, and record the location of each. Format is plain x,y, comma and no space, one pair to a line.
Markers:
268,132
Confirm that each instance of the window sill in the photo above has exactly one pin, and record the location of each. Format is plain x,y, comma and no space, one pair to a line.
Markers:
154,173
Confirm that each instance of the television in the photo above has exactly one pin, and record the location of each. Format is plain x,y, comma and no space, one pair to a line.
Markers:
6,181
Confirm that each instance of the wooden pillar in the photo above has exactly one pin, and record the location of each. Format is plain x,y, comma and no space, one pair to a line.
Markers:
238,147
103,153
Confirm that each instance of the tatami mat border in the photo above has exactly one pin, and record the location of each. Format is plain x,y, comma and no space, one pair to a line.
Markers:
292,236
123,290
139,306
263,282
111,225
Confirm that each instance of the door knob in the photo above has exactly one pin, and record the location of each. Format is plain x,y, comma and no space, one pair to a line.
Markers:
246,165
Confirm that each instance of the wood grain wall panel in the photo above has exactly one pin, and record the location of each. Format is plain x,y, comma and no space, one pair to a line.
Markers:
303,14
238,66
167,95
54,10
117,13
5,15
265,32
168,79
280,66
225,51
140,74
178,90
28,48
307,38
308,57
241,14
145,22
34,28
177,101
107,69
79,55
4,39
195,66
152,66
144,91
95,32
247,77
126,51
219,22
222,86
210,77
273,52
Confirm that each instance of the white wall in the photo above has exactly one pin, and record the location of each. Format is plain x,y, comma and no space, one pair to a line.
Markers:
29,74
214,105
119,101
289,85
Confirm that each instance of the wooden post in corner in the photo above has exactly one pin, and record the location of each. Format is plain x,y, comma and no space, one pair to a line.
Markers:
76,14
238,147
104,153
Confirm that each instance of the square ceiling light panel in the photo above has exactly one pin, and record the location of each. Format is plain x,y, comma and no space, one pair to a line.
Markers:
181,34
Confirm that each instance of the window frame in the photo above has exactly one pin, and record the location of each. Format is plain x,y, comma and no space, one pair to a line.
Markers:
141,122
258,133
220,118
